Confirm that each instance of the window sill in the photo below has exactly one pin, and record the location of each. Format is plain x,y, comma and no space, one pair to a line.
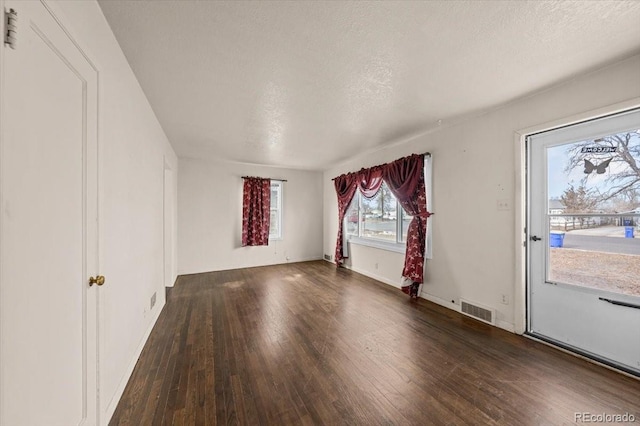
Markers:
379,244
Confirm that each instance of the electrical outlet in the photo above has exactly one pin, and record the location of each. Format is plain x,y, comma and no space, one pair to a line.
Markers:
376,265
503,204
505,299
153,300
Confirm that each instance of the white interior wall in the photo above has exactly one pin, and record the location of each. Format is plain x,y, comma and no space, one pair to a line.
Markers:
210,217
474,255
133,150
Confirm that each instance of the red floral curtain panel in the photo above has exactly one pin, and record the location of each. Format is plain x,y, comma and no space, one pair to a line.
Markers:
405,178
256,203
369,182
346,186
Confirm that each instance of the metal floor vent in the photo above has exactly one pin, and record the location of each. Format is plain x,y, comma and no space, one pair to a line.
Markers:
478,312
327,257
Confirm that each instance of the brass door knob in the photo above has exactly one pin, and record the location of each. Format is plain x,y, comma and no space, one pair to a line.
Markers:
97,280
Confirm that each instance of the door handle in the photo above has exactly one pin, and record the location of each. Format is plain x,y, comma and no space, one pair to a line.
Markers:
619,303
535,238
99,280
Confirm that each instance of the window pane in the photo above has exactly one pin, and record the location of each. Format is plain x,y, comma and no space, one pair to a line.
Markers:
601,252
273,227
406,220
598,177
275,218
351,217
379,215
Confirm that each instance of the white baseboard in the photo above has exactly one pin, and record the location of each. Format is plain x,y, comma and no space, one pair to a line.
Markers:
374,276
173,281
455,307
106,415
295,260
306,259
441,302
506,326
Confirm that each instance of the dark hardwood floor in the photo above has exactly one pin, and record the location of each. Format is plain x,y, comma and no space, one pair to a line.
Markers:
307,343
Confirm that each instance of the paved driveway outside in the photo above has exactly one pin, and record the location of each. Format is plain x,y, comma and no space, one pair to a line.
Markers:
603,244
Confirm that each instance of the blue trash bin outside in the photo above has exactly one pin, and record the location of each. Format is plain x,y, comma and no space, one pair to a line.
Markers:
557,239
628,232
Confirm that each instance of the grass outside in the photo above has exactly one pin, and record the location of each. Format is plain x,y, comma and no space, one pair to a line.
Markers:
619,273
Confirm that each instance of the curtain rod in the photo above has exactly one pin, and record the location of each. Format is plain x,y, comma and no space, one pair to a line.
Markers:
427,154
279,180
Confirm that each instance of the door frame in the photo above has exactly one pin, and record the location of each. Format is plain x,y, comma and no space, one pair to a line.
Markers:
2,49
59,16
521,206
168,223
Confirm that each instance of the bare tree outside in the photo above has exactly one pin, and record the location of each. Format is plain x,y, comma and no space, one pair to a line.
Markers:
579,200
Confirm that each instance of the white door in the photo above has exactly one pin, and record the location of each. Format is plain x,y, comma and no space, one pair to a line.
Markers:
48,240
583,239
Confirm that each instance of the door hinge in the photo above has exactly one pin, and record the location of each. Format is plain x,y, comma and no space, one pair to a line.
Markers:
11,28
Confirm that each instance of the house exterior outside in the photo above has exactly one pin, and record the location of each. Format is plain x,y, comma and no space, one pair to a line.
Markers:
556,207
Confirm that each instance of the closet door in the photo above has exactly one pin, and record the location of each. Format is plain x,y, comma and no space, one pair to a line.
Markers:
48,222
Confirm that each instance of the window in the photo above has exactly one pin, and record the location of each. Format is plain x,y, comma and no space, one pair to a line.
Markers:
275,226
379,219
381,222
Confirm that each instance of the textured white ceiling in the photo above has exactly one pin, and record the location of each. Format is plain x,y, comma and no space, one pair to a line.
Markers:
310,84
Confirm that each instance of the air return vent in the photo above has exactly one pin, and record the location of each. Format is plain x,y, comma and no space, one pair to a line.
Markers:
478,312
327,257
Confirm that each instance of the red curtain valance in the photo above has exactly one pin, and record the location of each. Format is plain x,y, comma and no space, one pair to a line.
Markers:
405,179
370,180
